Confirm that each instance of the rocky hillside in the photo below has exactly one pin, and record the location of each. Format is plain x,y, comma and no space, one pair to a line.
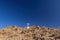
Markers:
32,33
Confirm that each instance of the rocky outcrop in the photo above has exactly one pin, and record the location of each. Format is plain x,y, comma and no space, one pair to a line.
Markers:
32,33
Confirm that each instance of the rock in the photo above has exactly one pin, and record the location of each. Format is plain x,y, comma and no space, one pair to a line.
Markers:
32,33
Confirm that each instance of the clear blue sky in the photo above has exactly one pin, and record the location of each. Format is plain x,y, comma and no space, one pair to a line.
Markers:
35,12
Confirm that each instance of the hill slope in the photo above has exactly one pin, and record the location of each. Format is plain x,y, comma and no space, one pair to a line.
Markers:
32,33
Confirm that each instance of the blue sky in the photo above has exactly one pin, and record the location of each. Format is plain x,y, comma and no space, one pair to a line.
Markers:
35,12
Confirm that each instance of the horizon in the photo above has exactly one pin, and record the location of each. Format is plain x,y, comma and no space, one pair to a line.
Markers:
28,27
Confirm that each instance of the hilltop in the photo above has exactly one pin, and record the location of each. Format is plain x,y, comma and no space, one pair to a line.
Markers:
31,33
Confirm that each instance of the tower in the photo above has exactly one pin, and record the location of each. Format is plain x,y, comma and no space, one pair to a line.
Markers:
28,25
